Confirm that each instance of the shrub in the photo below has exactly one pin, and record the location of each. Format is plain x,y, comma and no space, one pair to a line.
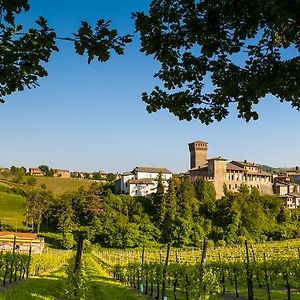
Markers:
221,243
68,241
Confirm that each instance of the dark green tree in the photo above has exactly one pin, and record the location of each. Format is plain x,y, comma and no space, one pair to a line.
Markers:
111,177
188,217
216,54
160,190
18,173
23,53
206,193
170,213
159,201
37,205
46,170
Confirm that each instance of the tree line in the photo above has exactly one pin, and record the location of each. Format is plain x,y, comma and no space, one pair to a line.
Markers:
183,215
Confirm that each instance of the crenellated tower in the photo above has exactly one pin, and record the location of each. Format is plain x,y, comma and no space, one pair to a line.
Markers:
198,154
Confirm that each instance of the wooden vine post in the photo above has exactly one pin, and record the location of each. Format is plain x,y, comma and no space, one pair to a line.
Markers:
222,275
164,277
267,281
249,274
175,282
142,271
202,265
13,259
29,261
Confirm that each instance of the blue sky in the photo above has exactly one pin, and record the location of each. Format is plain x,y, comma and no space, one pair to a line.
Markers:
91,117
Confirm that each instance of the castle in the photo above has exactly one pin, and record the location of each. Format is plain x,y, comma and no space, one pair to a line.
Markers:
234,174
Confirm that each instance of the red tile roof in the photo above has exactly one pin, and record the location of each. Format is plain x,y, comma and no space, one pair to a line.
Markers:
152,170
20,235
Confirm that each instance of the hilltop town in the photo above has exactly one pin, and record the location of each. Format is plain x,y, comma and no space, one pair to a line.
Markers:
225,175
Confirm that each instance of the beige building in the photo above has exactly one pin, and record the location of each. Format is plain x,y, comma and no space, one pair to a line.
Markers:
24,241
291,200
234,174
36,172
287,186
61,173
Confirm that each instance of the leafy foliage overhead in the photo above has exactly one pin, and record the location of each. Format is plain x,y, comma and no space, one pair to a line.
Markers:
214,53
23,53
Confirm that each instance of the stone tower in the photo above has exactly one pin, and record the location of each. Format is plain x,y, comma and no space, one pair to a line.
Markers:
198,154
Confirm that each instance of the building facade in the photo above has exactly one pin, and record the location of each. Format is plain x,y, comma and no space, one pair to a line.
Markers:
142,181
61,173
23,242
234,174
36,172
291,200
287,186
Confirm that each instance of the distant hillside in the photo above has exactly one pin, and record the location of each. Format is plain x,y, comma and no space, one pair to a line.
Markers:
54,184
61,185
12,211
274,170
268,169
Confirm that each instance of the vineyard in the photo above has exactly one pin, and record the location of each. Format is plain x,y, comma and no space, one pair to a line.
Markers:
264,271
259,271
17,266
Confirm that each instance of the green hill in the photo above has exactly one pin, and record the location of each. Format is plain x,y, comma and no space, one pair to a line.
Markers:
61,185
12,211
55,184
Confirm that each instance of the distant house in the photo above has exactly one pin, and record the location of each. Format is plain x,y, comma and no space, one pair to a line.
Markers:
295,178
23,242
142,181
281,189
61,173
36,172
291,200
2,170
287,186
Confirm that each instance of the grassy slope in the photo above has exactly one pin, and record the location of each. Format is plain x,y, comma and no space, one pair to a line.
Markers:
54,184
12,211
60,185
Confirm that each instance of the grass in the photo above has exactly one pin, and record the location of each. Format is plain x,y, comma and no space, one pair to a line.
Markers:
12,211
52,286
261,294
61,185
55,184
49,287
104,288
100,286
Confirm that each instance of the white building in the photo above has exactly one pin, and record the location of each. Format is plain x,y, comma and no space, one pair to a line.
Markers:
291,200
142,181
